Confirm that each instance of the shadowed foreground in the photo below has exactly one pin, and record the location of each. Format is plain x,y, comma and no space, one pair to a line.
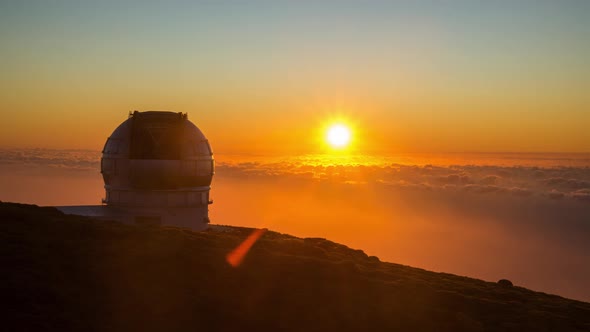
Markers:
72,273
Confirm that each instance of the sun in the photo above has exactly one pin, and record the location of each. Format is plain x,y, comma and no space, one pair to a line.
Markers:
338,136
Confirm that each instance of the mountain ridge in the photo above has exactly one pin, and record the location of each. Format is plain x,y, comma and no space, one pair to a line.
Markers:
66,272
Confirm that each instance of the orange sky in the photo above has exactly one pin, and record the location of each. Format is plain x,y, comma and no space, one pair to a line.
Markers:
266,79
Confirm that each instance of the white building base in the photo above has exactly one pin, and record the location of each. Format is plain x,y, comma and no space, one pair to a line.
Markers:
194,218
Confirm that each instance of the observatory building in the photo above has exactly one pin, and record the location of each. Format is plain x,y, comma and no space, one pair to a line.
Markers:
157,169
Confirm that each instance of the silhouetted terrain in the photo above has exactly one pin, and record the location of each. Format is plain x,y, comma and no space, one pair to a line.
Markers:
71,273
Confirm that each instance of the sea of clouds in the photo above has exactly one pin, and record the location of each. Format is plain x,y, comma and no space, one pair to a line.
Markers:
556,183
553,182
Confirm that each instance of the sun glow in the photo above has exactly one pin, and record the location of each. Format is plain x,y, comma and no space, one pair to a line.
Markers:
338,136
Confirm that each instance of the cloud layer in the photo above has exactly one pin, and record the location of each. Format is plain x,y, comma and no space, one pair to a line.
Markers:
84,160
560,182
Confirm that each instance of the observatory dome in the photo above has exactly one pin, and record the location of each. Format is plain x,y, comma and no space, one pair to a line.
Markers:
157,160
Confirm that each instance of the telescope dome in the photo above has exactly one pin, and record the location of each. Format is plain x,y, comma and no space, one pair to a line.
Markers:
157,158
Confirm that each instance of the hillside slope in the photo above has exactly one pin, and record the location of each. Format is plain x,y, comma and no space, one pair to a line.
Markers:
71,273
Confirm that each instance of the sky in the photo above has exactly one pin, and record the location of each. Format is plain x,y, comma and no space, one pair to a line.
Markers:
268,76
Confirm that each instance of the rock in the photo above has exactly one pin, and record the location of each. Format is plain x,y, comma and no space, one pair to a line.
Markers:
505,283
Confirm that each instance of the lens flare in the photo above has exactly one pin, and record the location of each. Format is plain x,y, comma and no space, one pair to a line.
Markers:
236,256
